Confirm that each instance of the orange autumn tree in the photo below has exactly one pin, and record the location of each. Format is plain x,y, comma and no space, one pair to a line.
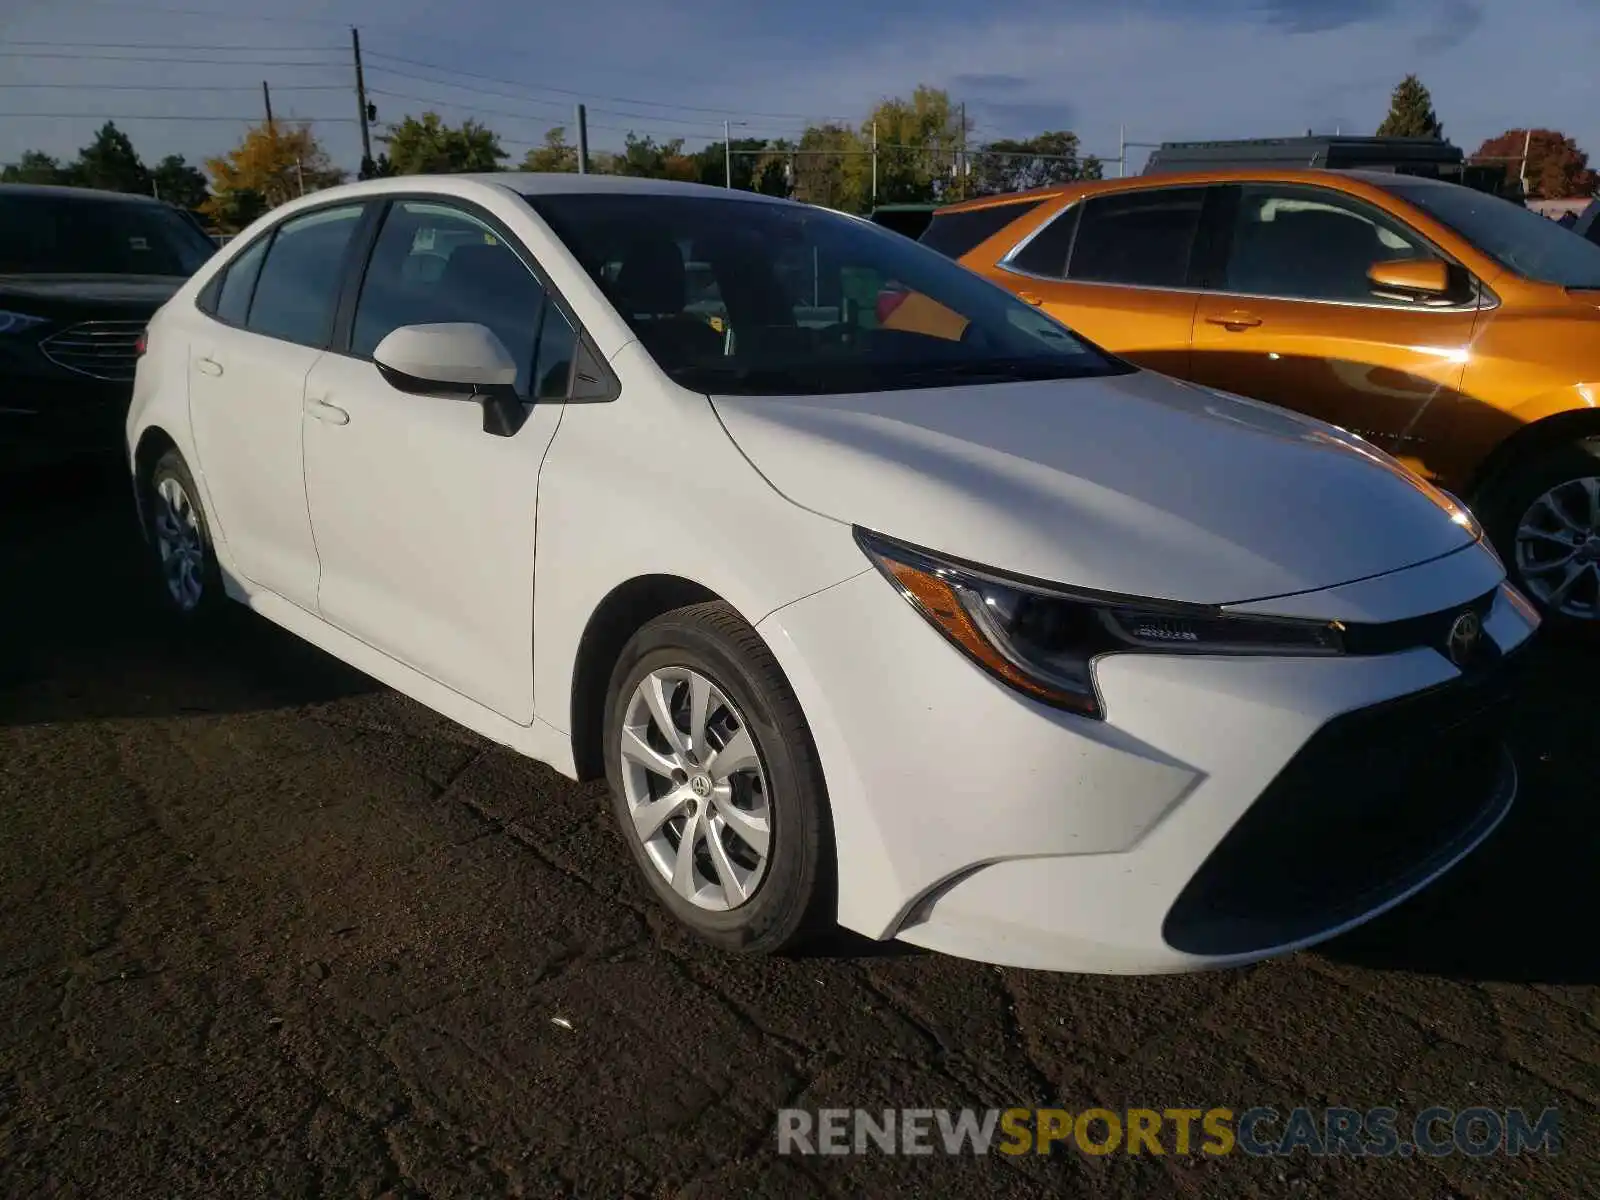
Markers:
273,164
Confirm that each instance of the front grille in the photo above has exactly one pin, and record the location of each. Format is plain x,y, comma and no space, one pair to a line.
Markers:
1431,629
99,349
1373,803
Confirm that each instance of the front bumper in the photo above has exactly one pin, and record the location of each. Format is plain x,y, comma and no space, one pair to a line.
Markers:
972,821
44,410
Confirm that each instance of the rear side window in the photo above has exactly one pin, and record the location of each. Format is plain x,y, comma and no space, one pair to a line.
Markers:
953,234
239,283
1046,252
1142,238
298,287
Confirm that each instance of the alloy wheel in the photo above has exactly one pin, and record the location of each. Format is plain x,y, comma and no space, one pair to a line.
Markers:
178,542
1558,549
695,788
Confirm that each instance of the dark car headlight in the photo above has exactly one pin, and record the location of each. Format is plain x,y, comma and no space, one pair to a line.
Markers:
15,322
1042,640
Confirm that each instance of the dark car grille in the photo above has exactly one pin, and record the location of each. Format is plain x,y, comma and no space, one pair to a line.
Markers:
100,349
1378,799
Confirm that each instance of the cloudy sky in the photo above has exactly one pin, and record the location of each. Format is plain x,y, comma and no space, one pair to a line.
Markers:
1163,69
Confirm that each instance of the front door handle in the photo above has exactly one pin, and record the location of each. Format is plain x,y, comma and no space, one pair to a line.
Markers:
323,411
1234,320
208,366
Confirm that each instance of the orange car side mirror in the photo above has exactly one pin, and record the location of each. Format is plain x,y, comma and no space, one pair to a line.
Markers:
1413,278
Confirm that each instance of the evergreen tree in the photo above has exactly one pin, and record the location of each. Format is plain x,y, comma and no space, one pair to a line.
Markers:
1411,112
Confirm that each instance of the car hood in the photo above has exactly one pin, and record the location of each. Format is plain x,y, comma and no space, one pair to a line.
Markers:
142,292
1136,484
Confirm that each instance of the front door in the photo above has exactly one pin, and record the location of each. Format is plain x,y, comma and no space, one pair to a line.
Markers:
424,522
248,362
1294,320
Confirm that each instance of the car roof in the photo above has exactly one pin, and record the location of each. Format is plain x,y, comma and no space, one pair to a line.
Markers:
534,183
1263,174
59,192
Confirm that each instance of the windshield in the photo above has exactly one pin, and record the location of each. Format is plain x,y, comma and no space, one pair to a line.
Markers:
64,235
740,297
1522,241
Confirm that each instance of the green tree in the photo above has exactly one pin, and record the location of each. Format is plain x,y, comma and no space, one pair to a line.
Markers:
918,143
712,163
830,167
643,157
1557,169
35,166
1411,112
110,163
1012,165
176,182
554,155
430,147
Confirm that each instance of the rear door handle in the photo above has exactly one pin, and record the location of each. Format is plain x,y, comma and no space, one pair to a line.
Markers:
323,411
208,366
1234,320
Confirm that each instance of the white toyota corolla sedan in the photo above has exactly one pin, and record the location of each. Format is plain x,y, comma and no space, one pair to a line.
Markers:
877,595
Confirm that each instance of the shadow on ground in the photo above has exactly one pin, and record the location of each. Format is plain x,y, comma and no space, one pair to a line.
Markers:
82,626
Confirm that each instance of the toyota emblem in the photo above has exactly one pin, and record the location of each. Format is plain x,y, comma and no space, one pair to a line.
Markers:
1465,634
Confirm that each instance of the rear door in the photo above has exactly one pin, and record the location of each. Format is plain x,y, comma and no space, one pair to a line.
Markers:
1117,268
1290,316
267,321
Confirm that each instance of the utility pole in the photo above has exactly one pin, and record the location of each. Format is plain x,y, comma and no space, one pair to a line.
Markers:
961,156
266,98
361,104
1122,151
1522,175
300,175
583,141
727,155
874,164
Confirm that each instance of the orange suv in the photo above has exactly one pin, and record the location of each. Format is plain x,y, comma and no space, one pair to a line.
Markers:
1454,329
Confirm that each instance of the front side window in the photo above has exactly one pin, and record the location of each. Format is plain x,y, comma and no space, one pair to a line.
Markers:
1519,239
747,297
50,234
434,264
1312,244
298,287
1140,238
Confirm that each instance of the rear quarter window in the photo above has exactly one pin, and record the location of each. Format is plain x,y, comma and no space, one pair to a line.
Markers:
953,234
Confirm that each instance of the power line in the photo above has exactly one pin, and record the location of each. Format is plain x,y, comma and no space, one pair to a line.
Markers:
123,7
254,119
541,87
164,46
697,127
184,87
135,58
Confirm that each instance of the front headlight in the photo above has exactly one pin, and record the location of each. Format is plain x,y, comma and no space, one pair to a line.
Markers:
1043,640
15,322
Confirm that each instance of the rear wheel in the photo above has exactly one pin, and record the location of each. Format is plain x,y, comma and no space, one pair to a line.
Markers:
1545,521
715,782
184,561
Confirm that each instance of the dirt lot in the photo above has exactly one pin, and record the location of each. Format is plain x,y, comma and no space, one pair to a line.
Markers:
269,929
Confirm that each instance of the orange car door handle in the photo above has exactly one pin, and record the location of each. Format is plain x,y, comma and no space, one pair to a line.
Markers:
1234,320
1030,298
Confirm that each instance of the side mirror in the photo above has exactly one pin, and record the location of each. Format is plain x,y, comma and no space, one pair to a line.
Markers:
463,360
1415,279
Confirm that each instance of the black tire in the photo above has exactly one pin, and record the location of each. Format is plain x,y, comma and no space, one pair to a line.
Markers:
212,599
795,897
1508,501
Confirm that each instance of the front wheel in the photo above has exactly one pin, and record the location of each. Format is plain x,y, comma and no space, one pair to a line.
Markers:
1545,522
715,782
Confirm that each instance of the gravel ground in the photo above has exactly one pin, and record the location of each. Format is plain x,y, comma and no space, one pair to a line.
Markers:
270,929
